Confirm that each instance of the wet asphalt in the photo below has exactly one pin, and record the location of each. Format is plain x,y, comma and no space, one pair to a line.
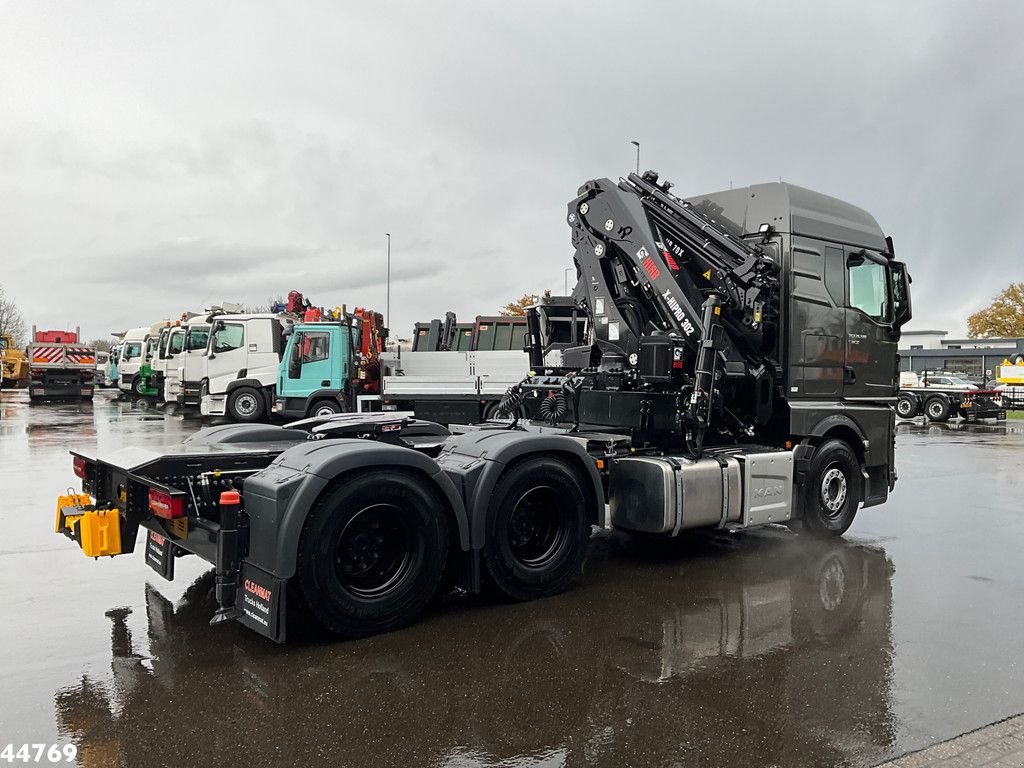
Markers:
757,649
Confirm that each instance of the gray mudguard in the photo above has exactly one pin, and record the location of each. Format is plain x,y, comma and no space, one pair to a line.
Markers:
476,460
278,499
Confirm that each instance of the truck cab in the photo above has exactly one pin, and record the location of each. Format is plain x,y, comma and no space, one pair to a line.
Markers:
130,361
185,379
110,373
170,361
314,372
241,364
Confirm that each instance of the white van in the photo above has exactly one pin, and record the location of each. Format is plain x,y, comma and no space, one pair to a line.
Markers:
241,365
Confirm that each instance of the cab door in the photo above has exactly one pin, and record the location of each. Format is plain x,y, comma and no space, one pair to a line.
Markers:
227,354
871,335
310,365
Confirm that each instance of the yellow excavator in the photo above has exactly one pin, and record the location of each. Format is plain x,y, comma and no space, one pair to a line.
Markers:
15,364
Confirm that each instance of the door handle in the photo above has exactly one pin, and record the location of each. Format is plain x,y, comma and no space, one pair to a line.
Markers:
325,383
849,375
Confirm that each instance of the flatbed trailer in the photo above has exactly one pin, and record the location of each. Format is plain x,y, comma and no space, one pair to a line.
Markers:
939,404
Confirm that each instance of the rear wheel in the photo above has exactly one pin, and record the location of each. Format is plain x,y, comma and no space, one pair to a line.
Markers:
537,529
372,553
937,409
831,493
245,404
906,406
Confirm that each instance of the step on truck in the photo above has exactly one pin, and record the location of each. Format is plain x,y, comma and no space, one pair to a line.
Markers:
61,366
740,372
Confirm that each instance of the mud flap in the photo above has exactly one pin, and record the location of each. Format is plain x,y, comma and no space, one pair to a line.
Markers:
263,602
160,554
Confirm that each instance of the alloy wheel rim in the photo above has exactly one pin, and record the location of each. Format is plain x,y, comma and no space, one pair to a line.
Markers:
246,405
833,490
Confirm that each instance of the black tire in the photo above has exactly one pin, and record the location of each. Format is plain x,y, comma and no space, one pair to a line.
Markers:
246,405
937,409
831,492
906,406
491,411
138,386
324,408
537,529
372,553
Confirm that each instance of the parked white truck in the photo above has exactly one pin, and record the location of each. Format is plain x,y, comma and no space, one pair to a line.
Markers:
241,365
130,361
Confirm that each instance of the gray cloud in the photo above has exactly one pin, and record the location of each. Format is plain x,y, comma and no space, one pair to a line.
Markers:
162,157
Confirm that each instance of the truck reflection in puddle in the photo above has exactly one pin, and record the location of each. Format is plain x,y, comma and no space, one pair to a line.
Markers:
769,652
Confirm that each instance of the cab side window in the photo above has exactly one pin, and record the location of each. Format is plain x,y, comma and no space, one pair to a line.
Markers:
131,351
228,337
315,347
197,339
868,290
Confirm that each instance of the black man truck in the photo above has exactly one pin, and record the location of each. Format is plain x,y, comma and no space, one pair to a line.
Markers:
740,371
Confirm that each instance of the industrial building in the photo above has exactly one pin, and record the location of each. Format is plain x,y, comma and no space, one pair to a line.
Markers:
933,350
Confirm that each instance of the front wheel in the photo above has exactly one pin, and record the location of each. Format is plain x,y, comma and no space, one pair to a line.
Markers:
325,408
245,404
831,493
372,553
537,529
138,385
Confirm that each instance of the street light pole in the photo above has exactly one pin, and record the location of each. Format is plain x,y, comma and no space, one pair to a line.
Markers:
387,301
637,145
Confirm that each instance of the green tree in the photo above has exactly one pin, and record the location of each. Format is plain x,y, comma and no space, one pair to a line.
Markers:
1003,318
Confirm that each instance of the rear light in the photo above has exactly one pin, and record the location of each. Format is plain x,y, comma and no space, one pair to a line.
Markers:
37,373
87,375
164,505
81,467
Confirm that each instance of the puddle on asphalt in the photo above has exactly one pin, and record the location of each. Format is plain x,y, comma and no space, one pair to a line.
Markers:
763,648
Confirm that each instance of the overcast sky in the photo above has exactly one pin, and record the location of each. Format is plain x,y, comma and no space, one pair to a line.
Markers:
157,157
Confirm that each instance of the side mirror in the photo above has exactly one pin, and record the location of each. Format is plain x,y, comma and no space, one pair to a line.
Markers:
902,305
295,358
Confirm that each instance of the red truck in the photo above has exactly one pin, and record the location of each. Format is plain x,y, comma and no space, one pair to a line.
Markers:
61,366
